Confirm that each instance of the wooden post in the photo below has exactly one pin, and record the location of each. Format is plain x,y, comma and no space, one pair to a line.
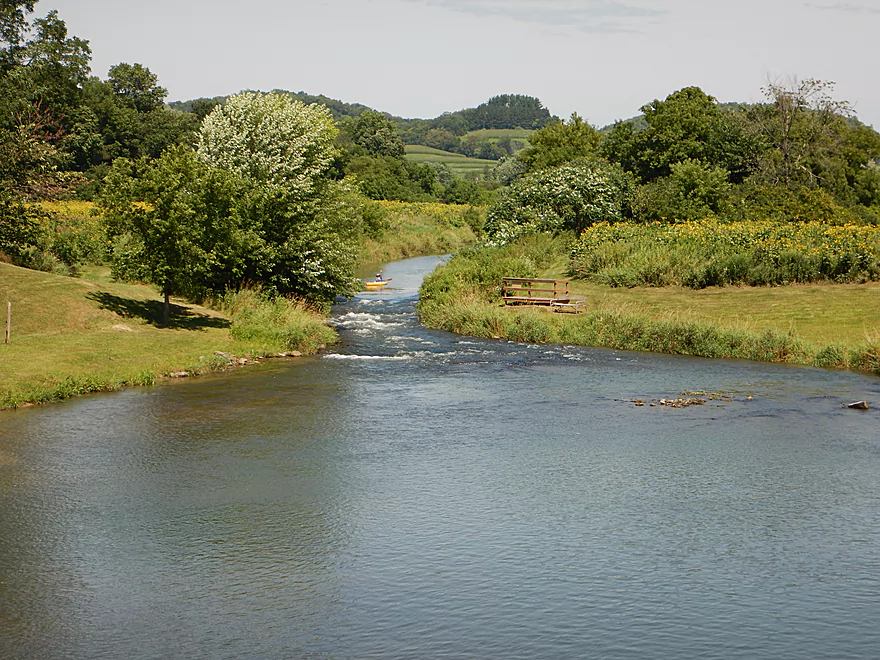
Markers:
8,321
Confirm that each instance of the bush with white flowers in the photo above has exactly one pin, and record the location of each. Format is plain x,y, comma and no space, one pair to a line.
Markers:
569,197
306,221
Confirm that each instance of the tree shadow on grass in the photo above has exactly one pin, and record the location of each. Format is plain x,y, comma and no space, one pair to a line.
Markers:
152,311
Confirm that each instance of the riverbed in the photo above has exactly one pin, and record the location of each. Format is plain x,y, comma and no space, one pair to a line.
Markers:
412,494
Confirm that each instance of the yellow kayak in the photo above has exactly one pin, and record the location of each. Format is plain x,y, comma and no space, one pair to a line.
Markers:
375,286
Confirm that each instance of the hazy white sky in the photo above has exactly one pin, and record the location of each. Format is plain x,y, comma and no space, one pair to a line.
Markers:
419,58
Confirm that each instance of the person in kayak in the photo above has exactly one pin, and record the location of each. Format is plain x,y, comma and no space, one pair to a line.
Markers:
379,276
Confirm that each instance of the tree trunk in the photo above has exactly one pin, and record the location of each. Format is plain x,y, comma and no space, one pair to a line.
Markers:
167,311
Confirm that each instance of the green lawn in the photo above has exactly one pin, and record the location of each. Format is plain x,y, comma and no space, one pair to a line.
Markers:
821,314
71,335
459,164
818,313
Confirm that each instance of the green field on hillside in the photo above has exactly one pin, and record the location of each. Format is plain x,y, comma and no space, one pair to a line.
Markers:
459,164
495,134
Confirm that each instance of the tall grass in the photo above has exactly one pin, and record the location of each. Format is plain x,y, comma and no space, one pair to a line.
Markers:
274,323
706,253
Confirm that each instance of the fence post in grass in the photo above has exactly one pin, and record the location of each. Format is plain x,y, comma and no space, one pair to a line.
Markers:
8,320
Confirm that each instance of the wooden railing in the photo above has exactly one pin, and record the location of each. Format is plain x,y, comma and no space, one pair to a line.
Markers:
531,291
534,291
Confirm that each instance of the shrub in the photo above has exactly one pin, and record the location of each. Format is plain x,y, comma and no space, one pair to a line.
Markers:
565,198
761,202
693,191
374,217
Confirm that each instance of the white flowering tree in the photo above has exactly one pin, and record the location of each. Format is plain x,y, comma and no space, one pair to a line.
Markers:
568,197
270,138
306,223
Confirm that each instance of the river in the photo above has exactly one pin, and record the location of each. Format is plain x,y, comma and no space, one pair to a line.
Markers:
415,494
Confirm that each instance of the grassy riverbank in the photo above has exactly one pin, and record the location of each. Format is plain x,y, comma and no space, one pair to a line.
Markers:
412,229
822,325
72,336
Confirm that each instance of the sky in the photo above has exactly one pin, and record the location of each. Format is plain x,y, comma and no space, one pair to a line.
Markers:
603,59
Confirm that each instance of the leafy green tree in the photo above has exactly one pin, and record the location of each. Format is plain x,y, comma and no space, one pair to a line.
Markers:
692,191
560,142
813,141
622,145
33,57
462,191
683,127
469,146
13,23
18,225
440,138
164,127
754,199
116,125
489,151
444,173
375,134
29,163
383,177
271,139
509,146
175,222
687,125
111,125
41,70
453,123
867,186
136,87
570,197
508,170
201,108
507,111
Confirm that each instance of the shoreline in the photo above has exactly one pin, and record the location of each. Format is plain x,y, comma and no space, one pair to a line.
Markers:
73,386
611,330
464,297
76,336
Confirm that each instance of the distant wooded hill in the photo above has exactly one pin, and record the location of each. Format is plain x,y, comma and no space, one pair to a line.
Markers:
507,111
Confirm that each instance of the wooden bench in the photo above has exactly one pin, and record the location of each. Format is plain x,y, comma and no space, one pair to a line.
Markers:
534,291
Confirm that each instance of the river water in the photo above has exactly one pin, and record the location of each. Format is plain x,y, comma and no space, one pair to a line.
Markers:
414,494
